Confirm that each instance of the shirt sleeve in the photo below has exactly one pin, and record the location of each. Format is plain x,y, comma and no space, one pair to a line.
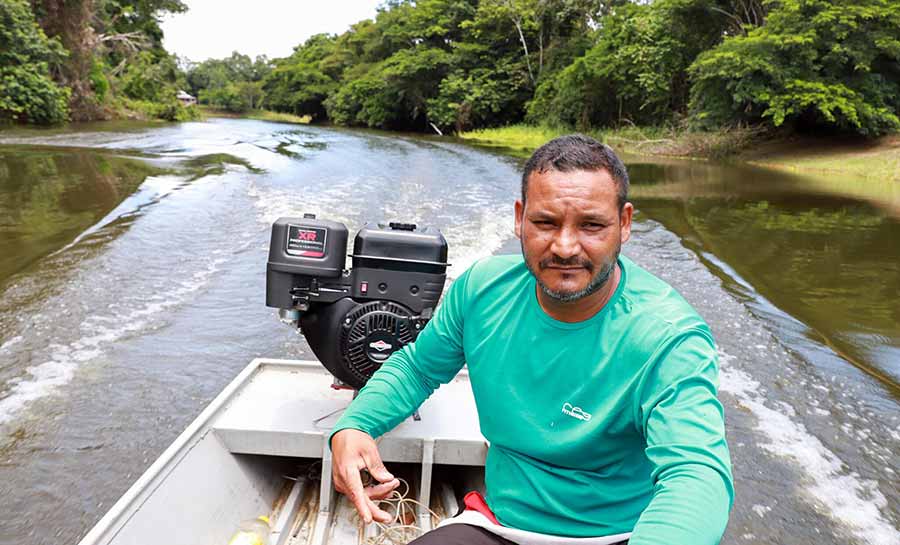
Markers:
412,373
684,427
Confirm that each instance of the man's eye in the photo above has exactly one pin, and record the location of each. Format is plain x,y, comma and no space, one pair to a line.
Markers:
593,226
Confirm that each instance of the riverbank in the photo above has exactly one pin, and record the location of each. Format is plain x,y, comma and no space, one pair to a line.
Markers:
654,141
877,160
874,159
259,115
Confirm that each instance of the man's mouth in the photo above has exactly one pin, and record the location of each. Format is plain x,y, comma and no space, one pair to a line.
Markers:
568,265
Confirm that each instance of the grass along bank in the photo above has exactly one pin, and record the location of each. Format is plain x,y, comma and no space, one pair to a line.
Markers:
261,115
630,140
878,159
873,160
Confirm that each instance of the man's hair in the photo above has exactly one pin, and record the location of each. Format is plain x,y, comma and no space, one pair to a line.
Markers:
577,152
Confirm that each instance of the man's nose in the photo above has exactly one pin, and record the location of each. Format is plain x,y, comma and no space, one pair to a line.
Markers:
565,243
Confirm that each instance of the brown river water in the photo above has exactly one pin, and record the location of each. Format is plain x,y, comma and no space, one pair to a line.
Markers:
132,261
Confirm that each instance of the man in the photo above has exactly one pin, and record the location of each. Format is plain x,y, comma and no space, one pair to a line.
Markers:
595,382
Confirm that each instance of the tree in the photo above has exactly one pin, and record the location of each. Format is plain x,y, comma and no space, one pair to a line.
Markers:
228,97
300,83
637,70
70,23
127,27
27,92
234,83
150,79
97,34
480,97
521,18
815,63
394,94
300,89
251,92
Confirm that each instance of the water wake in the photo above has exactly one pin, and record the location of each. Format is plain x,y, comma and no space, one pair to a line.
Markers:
849,499
98,333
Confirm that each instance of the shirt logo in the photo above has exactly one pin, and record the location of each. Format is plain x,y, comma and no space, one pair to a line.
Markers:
575,412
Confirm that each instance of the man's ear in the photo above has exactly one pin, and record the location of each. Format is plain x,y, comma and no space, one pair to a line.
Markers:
520,208
625,221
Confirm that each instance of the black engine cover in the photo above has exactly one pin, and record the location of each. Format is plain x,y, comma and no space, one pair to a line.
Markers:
354,320
352,339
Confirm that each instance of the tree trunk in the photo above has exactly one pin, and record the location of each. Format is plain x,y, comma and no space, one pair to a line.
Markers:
540,52
518,24
70,20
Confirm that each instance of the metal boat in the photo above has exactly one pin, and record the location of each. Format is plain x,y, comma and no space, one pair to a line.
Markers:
259,448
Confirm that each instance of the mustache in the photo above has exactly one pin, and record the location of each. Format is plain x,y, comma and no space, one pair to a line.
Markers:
574,261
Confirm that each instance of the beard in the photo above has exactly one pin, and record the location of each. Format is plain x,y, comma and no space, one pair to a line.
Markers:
598,280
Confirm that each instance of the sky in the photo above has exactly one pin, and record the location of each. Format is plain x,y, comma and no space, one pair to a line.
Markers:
212,29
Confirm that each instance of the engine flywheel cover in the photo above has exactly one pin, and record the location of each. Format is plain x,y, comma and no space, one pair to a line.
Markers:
373,332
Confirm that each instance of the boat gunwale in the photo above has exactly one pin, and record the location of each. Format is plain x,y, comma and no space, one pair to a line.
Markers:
106,529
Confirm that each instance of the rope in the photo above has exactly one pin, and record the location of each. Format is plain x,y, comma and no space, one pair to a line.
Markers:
404,527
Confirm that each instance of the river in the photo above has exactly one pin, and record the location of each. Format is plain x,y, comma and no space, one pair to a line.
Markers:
132,260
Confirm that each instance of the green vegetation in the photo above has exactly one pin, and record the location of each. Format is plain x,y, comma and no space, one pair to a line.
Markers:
27,92
684,65
525,138
261,115
168,110
626,139
709,75
875,160
821,63
233,84
87,59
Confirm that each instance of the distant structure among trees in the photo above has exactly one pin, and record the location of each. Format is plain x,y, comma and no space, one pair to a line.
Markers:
185,99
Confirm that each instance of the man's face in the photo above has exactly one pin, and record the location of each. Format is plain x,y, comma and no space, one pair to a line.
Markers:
571,231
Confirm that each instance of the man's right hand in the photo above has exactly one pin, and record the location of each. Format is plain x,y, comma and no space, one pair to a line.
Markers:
352,451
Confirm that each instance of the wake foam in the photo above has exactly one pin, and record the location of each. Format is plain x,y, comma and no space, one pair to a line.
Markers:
480,230
479,237
849,499
10,343
98,333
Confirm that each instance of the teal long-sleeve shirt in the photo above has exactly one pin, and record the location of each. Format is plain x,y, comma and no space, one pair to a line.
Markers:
599,427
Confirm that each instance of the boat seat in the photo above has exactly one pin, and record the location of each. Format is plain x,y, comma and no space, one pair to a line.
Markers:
288,408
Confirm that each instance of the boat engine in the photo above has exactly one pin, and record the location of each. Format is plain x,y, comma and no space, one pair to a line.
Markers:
355,319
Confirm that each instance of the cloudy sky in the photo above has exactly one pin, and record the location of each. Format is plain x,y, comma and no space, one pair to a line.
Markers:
215,28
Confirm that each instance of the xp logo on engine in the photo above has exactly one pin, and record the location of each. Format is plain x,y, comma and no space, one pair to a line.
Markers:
305,241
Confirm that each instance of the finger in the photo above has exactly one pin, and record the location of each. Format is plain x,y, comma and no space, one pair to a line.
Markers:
380,491
378,513
357,494
337,480
376,466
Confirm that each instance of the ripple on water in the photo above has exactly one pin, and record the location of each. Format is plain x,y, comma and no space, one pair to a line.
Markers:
95,336
854,501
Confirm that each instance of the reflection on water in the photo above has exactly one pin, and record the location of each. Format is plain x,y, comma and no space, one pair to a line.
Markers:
48,197
823,251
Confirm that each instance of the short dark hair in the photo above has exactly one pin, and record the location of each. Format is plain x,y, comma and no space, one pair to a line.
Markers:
577,152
